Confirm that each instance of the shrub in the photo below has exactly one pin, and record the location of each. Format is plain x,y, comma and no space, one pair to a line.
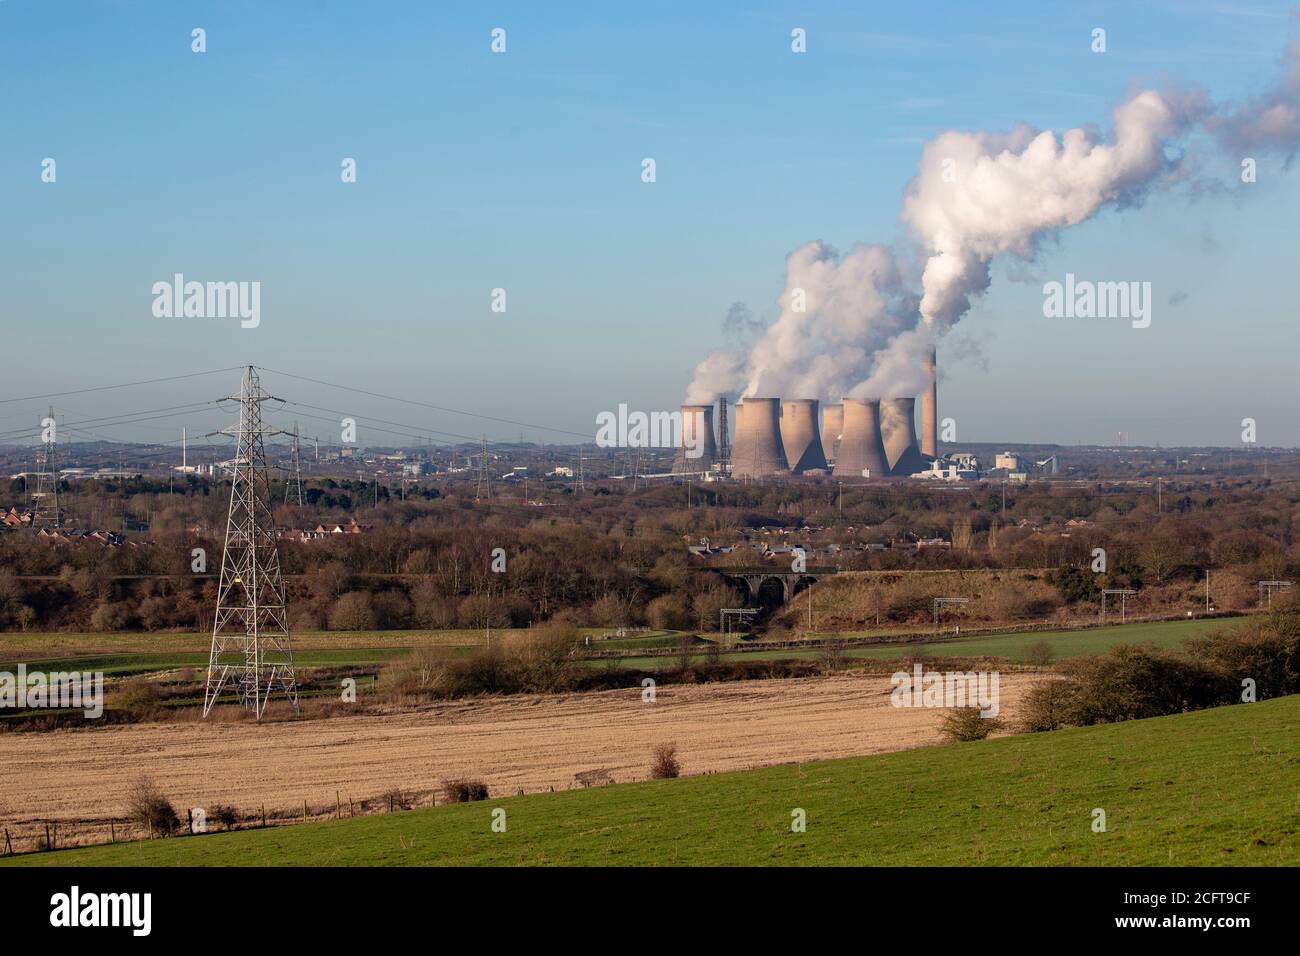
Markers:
146,805
832,655
464,791
353,611
669,612
1267,652
1048,705
965,723
1134,682
226,815
137,696
666,764
1039,653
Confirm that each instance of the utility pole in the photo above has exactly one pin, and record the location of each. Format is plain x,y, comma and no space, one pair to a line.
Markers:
251,648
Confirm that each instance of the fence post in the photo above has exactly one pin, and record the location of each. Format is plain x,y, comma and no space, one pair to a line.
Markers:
304,811
48,844
338,806
264,816
9,847
112,832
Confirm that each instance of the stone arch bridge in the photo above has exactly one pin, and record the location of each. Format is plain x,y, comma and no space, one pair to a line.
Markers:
762,582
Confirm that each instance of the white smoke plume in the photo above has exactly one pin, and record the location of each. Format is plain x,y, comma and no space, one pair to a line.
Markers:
835,312
976,196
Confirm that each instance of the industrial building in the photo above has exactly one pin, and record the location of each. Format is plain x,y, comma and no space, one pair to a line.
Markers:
855,438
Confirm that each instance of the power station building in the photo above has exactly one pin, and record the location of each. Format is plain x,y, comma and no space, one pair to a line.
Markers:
853,438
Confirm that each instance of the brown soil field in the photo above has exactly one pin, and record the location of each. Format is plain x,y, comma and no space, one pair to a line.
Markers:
80,778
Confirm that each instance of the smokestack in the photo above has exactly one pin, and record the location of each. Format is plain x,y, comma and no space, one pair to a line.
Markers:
861,453
930,409
898,424
803,447
696,416
832,427
757,450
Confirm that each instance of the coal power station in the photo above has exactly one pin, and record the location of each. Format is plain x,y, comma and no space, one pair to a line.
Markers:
861,438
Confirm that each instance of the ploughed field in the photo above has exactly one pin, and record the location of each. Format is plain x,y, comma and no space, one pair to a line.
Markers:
1214,787
79,778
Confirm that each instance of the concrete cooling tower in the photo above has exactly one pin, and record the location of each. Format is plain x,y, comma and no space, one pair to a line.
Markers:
757,451
832,426
696,416
803,446
898,423
861,452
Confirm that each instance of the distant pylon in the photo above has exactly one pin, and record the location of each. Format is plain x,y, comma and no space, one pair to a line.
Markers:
293,489
45,499
250,633
582,471
484,489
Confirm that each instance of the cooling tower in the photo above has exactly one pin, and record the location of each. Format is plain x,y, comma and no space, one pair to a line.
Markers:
694,416
757,450
832,425
930,410
898,424
803,447
861,453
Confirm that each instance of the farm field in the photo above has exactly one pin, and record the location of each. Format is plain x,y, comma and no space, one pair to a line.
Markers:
80,778
1214,787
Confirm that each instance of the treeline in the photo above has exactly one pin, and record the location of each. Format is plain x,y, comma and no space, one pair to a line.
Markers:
621,558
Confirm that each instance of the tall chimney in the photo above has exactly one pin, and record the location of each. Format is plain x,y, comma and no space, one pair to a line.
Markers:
832,426
693,417
861,454
756,451
803,447
930,409
898,424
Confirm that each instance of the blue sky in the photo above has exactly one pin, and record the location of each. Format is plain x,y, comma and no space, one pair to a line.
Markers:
522,171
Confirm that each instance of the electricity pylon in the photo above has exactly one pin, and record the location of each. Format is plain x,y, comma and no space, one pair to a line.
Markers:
250,633
484,489
293,488
45,499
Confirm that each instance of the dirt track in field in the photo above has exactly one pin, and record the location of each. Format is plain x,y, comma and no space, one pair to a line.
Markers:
80,778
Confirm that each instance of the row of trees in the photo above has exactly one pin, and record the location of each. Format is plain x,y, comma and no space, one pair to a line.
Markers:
621,558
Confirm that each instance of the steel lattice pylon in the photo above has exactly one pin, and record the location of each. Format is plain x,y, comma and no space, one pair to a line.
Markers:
250,634
45,499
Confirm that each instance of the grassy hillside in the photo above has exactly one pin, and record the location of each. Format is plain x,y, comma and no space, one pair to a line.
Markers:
1212,787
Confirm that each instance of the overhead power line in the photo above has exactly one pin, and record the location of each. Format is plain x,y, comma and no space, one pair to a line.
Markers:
438,408
105,388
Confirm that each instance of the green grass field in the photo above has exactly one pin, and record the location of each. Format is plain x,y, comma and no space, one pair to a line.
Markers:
1072,643
1216,787
126,655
